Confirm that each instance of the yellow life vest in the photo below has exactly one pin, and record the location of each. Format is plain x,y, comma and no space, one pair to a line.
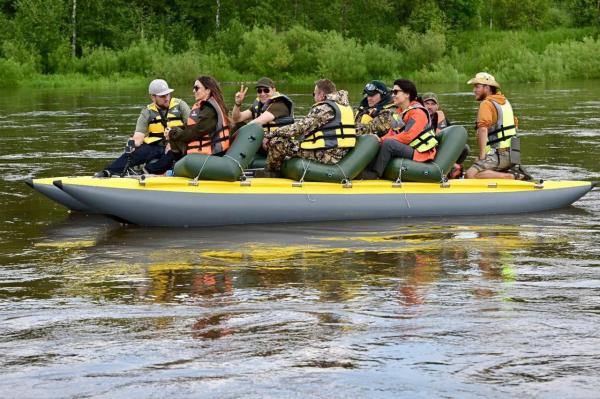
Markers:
157,124
365,118
339,132
500,134
425,140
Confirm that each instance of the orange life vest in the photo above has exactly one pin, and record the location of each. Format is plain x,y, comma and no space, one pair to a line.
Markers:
216,141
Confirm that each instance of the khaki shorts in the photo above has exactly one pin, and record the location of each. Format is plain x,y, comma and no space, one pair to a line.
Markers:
496,161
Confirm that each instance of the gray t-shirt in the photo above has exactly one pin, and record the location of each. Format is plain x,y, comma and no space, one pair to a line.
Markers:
144,118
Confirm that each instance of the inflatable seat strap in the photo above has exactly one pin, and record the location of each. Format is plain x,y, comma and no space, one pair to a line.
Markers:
195,180
305,169
236,161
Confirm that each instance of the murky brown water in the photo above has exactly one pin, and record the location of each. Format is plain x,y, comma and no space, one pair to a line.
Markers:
472,307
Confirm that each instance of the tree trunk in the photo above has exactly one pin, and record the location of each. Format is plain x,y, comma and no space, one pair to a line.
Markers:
74,36
217,17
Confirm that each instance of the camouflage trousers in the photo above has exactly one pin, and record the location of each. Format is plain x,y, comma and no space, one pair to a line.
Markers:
282,148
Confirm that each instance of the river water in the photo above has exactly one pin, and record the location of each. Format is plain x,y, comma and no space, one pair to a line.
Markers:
419,308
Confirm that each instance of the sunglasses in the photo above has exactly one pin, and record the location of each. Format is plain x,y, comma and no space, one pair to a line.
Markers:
396,91
196,88
264,90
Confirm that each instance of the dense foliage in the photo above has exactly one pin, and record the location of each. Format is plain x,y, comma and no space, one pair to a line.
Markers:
429,40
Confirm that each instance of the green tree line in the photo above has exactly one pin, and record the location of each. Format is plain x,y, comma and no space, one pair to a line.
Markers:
298,40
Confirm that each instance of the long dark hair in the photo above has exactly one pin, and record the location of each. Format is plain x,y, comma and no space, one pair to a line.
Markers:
409,88
215,91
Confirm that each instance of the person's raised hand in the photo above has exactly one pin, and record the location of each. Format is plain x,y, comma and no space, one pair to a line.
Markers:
240,95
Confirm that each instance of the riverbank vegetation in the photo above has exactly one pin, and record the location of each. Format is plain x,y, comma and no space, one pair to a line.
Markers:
65,42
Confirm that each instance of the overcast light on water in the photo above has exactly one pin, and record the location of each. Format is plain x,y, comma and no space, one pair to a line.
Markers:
463,308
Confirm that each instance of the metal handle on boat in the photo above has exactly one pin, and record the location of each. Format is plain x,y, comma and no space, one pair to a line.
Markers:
539,184
244,182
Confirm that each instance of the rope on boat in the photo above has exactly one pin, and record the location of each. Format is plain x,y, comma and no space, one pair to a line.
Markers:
194,181
398,182
301,181
444,181
346,183
236,161
440,170
304,169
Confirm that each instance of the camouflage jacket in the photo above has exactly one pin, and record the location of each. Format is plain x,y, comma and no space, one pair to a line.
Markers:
379,126
318,116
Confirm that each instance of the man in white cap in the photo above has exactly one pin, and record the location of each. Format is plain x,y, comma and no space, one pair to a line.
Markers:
147,145
496,133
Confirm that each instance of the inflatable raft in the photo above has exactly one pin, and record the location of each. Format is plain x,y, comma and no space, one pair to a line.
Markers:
242,155
48,189
183,202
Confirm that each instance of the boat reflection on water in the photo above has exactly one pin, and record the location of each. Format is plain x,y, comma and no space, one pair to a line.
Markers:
324,261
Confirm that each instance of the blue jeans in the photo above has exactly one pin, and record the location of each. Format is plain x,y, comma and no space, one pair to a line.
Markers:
143,155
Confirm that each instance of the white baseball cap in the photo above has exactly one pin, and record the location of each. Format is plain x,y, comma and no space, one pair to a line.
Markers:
159,87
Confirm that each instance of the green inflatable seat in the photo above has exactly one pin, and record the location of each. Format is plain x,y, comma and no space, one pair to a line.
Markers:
452,142
258,162
228,167
348,168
